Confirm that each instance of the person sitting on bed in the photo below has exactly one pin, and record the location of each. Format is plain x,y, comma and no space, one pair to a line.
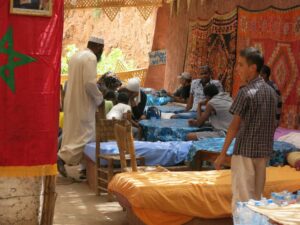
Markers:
137,98
217,112
121,111
265,73
196,94
182,94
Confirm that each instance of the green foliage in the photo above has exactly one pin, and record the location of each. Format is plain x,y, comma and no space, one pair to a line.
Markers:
108,62
97,13
70,51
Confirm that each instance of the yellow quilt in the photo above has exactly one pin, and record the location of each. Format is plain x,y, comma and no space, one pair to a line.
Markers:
177,197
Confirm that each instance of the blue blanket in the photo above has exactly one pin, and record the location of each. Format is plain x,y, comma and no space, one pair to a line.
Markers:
171,109
158,153
168,130
157,101
281,149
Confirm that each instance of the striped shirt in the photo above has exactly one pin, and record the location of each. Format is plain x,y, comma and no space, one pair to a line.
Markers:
256,105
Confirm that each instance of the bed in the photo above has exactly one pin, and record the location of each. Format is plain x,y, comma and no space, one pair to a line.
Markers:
280,131
179,197
166,154
208,149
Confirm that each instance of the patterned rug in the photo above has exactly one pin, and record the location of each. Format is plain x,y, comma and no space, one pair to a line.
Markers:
277,34
213,43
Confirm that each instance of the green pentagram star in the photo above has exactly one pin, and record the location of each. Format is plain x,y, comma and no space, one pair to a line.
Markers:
15,59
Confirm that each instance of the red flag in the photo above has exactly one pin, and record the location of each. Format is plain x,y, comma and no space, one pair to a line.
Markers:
30,58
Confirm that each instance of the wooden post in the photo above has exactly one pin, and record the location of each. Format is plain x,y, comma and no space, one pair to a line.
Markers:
49,200
130,147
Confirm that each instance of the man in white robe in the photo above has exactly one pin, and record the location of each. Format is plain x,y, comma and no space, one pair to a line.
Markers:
81,102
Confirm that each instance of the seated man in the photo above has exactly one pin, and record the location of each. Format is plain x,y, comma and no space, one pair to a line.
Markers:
217,112
182,94
137,98
265,73
122,110
197,94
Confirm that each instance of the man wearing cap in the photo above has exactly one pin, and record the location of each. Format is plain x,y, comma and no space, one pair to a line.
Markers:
81,101
182,94
197,94
137,98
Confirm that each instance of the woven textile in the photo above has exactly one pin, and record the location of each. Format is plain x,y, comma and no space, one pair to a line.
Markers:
112,7
213,43
168,130
74,4
277,34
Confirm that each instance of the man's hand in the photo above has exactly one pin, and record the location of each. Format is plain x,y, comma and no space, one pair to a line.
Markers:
143,117
219,161
132,102
201,103
193,123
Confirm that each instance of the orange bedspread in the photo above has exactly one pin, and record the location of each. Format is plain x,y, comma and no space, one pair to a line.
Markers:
177,197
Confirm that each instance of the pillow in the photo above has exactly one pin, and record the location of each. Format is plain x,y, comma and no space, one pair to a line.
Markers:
294,159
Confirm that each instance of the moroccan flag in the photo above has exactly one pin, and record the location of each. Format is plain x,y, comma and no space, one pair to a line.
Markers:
30,57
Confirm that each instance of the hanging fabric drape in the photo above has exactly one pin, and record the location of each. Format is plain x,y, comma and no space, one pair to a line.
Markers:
276,33
30,60
213,43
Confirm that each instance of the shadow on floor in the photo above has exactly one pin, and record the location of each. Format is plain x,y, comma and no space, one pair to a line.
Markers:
76,204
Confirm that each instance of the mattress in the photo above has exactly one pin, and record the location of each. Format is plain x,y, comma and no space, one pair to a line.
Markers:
292,138
178,197
280,131
158,153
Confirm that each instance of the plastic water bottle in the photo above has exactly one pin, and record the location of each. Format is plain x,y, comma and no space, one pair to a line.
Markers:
298,196
288,197
281,200
271,204
293,199
274,197
247,216
237,213
264,201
